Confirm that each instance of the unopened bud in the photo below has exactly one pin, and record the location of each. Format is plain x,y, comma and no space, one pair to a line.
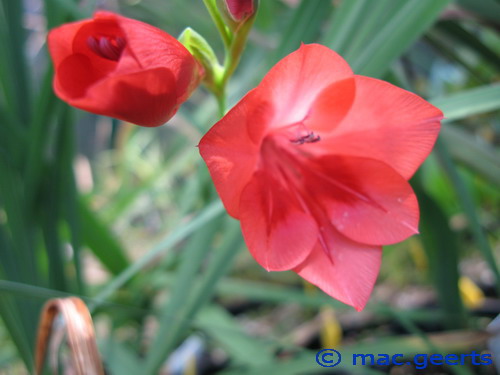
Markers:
241,9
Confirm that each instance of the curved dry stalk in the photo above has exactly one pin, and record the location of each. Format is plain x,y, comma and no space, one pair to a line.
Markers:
79,331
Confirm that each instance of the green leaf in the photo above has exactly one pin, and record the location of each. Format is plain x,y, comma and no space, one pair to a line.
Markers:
242,349
442,246
209,213
101,241
468,206
218,266
463,36
470,102
489,9
478,156
303,27
13,319
119,358
450,52
15,76
266,292
354,22
386,34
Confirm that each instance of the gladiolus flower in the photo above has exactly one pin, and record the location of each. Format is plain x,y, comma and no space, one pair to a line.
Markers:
122,68
314,162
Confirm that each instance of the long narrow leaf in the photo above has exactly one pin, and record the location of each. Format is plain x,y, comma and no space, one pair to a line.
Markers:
468,206
209,213
471,102
99,239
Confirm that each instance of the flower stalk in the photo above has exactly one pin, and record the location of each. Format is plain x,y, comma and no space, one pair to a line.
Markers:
234,37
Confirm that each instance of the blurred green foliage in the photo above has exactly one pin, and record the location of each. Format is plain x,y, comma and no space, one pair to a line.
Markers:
127,218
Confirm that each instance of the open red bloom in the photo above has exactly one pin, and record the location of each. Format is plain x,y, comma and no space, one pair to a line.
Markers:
122,68
314,162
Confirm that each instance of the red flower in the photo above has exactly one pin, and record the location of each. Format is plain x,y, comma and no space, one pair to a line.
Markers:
314,162
240,9
122,68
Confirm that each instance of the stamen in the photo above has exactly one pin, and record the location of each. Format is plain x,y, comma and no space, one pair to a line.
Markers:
107,47
300,134
307,138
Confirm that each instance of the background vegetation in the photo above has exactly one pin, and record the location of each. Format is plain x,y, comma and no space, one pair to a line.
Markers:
127,219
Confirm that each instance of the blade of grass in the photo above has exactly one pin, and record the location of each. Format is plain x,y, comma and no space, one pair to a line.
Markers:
470,102
479,156
489,9
242,348
69,195
40,294
456,31
196,250
39,136
59,11
441,246
468,206
51,206
13,36
101,241
362,35
16,226
391,36
217,268
396,35
119,358
344,21
210,212
230,287
304,26
443,47
13,321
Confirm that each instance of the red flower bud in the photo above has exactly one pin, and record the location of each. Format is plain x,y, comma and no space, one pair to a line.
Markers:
122,68
240,9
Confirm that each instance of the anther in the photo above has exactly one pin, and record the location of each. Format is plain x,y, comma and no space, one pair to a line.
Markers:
107,47
308,138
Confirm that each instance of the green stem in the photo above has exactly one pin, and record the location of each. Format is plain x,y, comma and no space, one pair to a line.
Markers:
219,22
231,61
234,43
221,102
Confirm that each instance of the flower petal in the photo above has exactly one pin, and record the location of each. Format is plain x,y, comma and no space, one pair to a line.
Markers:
348,273
388,124
74,76
331,106
231,148
293,83
58,39
365,199
161,50
146,98
277,232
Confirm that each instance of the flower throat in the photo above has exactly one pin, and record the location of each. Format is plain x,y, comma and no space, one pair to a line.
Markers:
107,47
